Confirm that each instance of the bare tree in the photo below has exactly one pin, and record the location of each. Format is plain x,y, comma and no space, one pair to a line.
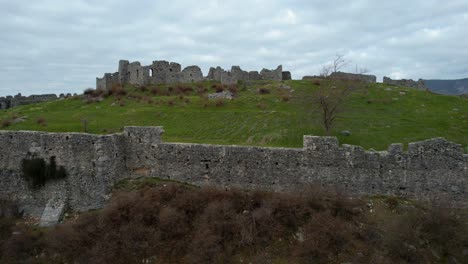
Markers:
330,99
336,65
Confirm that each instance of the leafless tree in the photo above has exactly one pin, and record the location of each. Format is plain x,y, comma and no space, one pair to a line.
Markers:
330,100
336,65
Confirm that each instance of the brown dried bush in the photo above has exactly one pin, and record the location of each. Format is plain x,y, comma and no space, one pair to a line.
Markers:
6,123
41,121
175,223
219,102
263,90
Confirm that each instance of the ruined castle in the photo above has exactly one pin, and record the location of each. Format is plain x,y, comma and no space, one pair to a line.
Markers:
164,72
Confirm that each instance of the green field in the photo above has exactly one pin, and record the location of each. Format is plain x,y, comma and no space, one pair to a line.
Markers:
376,115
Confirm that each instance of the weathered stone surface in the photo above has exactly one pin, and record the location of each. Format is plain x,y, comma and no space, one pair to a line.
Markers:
17,100
275,75
286,76
192,74
310,77
164,72
53,212
353,77
221,95
407,83
254,76
431,168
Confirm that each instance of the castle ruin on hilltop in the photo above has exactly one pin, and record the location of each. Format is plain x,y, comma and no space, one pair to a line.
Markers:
164,72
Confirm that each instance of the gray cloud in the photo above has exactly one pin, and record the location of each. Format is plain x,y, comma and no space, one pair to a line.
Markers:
56,46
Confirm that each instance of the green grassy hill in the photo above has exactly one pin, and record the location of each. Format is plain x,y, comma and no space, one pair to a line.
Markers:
376,115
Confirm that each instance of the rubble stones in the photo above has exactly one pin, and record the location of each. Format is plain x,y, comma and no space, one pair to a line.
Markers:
221,95
420,85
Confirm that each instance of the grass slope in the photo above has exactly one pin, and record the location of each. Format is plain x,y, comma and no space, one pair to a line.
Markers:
376,115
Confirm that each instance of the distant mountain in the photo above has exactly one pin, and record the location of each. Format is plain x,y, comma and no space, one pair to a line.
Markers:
454,87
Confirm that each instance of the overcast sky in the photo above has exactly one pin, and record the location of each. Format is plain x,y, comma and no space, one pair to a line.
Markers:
55,46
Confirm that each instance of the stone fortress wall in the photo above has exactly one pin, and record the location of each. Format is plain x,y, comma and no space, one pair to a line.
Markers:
419,84
354,77
12,101
17,100
93,163
164,72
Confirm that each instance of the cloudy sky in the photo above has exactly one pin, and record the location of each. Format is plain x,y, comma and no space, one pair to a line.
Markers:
55,46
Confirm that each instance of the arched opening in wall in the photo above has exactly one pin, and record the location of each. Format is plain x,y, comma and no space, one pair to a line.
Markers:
150,72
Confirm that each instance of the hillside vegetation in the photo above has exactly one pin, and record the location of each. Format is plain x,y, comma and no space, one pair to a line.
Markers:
149,221
262,114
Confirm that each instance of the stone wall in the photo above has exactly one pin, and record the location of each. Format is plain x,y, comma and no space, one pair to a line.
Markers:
353,76
407,83
164,72
94,163
17,100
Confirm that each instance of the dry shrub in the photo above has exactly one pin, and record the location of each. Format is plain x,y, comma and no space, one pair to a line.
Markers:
41,121
316,82
170,90
326,239
201,90
94,95
23,246
173,223
142,88
415,236
233,89
219,102
182,89
6,123
218,87
155,91
262,106
392,202
122,103
263,90
285,97
88,91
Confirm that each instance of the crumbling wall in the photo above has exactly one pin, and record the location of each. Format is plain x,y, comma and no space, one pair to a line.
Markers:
192,74
17,100
237,74
275,75
286,75
138,74
406,82
431,168
164,72
92,164
353,77
108,81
